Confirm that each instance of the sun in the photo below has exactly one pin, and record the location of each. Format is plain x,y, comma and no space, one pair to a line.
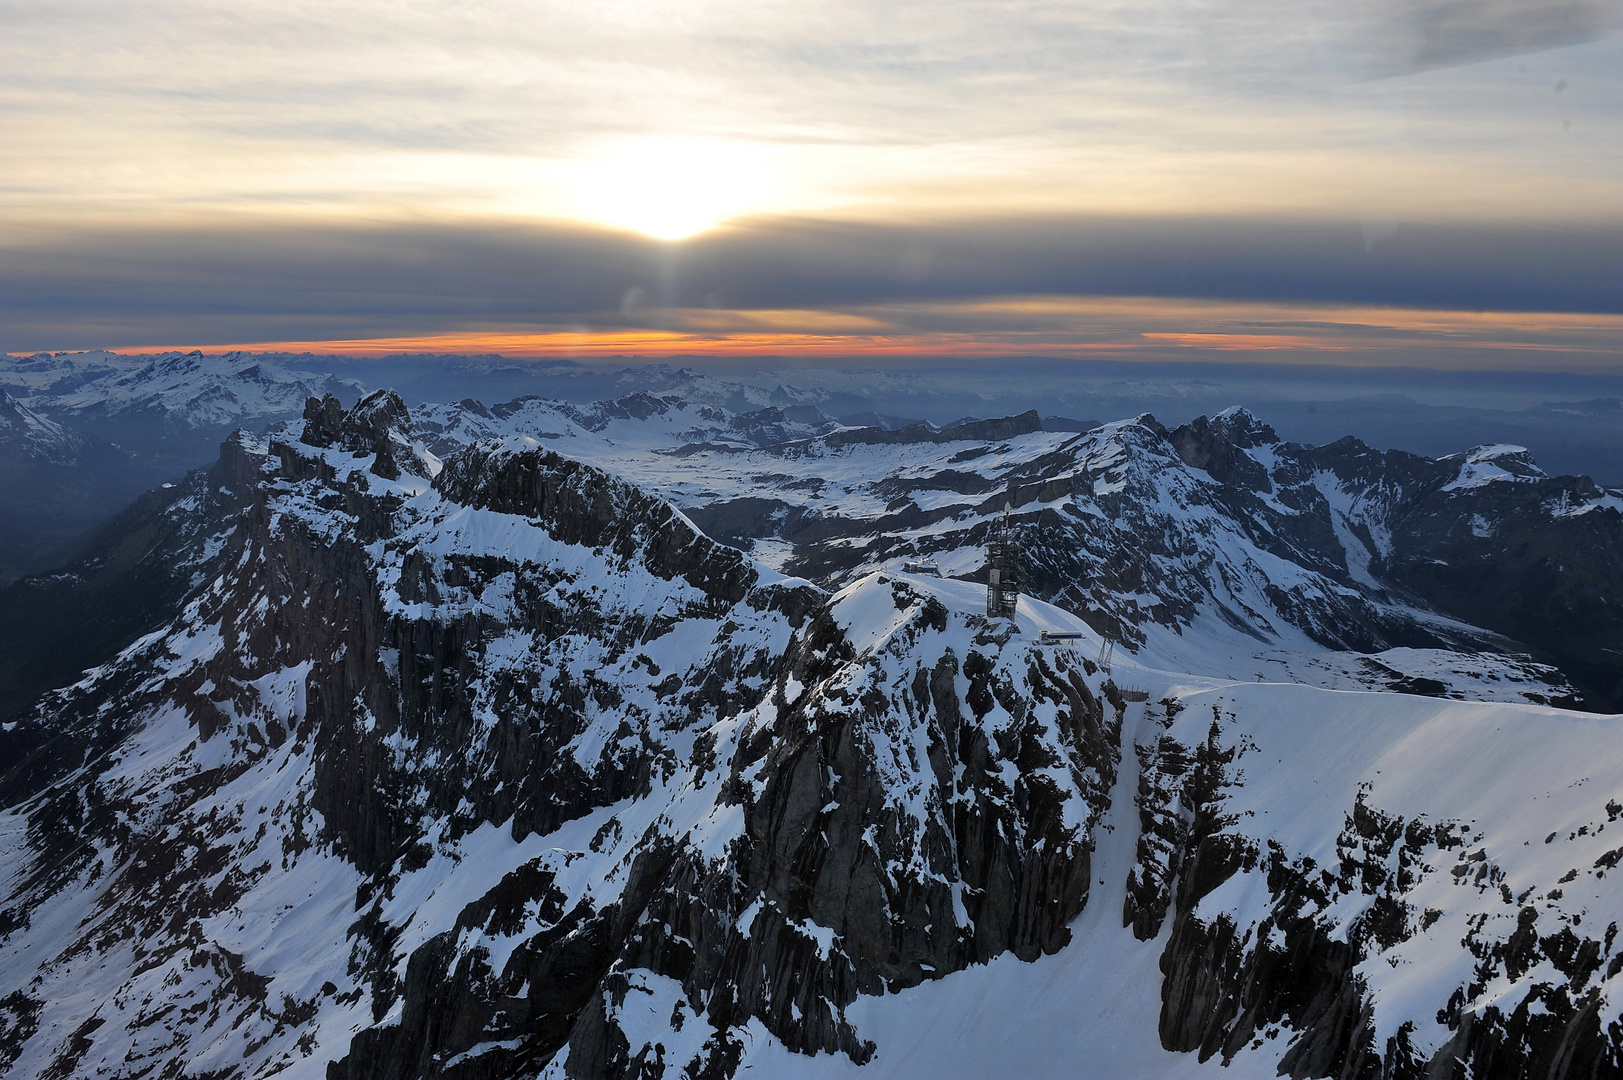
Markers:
671,188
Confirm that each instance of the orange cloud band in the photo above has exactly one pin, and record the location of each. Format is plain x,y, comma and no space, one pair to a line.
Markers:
1052,327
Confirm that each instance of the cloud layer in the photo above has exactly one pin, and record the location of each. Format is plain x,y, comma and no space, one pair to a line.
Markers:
852,175
1025,285
664,117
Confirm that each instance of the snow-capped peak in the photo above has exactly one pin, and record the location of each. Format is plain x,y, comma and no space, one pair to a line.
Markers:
1487,464
1244,428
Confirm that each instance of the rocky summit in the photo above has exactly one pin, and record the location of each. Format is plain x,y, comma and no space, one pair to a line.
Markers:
655,739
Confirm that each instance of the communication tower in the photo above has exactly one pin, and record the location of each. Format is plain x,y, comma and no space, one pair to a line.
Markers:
1003,569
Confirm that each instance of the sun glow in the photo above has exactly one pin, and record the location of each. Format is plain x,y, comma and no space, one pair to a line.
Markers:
672,188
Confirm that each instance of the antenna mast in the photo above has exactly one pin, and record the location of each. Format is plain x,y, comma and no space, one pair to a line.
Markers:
1003,578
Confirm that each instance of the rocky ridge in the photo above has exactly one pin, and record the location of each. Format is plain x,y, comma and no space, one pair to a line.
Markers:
1214,546
523,609
82,435
24,432
495,765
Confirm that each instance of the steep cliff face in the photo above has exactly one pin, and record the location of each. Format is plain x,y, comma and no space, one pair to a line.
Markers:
428,776
876,819
918,795
1379,915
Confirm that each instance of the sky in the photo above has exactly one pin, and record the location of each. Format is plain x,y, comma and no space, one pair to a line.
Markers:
1363,181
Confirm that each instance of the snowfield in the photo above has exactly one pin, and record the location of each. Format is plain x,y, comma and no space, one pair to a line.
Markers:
472,755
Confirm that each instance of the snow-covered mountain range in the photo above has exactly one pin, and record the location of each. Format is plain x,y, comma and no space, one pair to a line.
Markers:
175,391
83,434
1214,546
653,738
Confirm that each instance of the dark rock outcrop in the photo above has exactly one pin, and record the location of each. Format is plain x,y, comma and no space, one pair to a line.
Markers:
582,505
1214,446
1289,965
323,421
844,886
1004,427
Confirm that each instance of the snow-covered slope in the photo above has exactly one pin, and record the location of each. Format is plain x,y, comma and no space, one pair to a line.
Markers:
1214,548
485,762
25,433
1363,884
1435,887
183,391
82,435
626,429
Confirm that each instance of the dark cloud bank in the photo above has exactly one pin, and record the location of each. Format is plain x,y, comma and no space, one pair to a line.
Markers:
236,282
241,282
